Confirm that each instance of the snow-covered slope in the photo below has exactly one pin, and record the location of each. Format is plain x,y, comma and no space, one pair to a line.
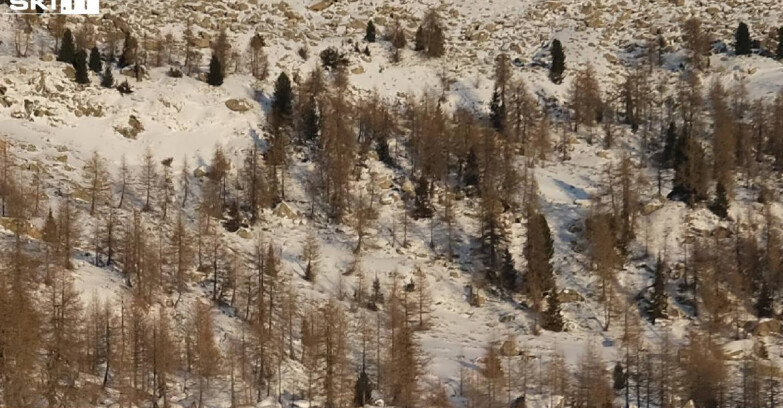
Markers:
53,123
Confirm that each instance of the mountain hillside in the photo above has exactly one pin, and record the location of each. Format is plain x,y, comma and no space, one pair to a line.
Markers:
344,222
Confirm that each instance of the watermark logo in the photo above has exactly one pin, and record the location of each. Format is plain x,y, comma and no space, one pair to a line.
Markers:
56,6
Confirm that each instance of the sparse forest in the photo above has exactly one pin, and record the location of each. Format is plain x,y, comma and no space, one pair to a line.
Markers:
208,218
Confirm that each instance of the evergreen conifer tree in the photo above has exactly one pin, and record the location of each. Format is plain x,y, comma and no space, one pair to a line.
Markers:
108,78
377,293
96,65
282,98
659,301
369,36
764,303
423,207
742,40
129,50
538,251
215,74
552,319
669,145
67,48
720,206
497,112
82,76
124,88
332,58
363,390
430,38
618,377
470,176
558,62
779,53
309,275
508,273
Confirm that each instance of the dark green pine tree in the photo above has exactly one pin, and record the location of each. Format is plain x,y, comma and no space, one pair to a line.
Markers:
282,99
538,252
363,390
497,112
720,206
779,53
422,205
108,78
369,36
418,40
67,49
96,65
309,275
618,377
685,151
470,174
680,153
124,88
669,146
310,123
659,301
552,319
764,302
215,74
82,75
508,272
558,62
742,40
377,293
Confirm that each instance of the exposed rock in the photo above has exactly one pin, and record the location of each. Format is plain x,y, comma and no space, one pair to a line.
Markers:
721,232
283,210
23,226
131,72
506,318
238,105
651,207
321,5
764,327
202,40
132,130
509,348
200,171
384,183
594,20
407,187
570,296
81,109
69,72
28,107
476,297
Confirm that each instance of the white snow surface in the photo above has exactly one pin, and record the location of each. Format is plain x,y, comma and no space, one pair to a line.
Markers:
185,119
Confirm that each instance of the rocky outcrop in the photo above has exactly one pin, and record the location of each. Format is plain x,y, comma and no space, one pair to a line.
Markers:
238,105
132,130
